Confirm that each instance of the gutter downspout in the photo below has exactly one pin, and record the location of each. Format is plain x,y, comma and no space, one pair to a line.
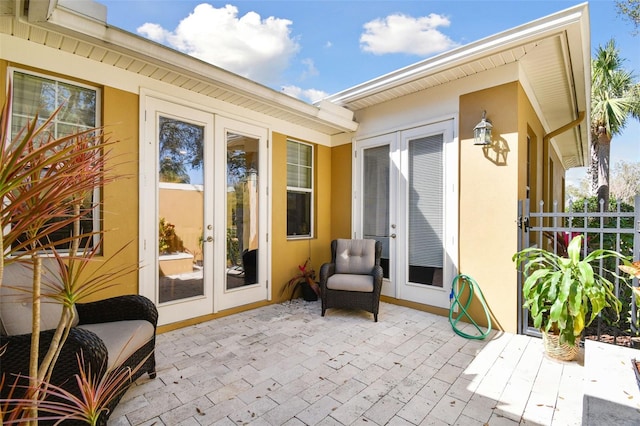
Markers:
564,128
546,140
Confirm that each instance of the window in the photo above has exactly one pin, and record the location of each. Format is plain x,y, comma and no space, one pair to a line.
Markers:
35,94
299,189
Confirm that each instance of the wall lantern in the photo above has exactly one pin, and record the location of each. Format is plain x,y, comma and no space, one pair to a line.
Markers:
482,131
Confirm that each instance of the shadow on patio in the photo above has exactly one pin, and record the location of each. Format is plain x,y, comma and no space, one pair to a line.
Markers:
285,364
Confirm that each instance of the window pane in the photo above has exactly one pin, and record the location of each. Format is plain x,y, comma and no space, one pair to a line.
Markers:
293,149
40,96
35,95
298,213
304,158
292,175
299,188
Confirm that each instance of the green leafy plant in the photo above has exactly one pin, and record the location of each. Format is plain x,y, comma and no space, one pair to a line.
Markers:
565,294
168,240
306,275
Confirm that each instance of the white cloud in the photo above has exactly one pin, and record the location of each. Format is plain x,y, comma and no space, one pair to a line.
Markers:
256,48
310,95
310,68
400,33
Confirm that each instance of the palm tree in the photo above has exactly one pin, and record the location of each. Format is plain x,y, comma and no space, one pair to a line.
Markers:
615,98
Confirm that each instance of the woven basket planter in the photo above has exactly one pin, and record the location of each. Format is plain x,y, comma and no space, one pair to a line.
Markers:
564,351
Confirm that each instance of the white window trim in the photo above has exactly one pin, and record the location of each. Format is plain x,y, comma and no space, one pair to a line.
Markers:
309,190
97,193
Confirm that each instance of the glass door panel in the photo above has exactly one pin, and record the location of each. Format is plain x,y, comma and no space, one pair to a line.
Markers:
375,216
401,201
241,225
377,180
180,209
176,210
242,211
425,209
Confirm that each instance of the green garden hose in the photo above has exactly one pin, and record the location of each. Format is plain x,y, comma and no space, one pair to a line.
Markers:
458,286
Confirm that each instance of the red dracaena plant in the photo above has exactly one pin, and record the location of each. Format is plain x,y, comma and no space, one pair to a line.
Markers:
306,274
95,394
45,183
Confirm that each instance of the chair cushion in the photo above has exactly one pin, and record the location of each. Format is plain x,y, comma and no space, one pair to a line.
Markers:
16,299
122,338
355,256
351,282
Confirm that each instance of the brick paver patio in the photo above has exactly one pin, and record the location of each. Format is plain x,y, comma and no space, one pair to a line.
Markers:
284,364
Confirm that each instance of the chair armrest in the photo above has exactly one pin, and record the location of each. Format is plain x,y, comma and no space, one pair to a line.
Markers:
326,270
378,275
15,359
120,308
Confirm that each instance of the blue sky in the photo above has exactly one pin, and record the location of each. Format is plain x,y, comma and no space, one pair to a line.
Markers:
311,48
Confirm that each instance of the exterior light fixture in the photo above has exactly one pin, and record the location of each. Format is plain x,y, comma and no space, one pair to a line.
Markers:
482,131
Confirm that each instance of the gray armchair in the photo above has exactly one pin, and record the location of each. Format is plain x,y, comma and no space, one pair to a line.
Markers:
353,279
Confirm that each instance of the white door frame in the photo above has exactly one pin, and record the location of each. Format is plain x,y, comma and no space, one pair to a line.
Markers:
391,139
215,297
398,286
228,298
180,309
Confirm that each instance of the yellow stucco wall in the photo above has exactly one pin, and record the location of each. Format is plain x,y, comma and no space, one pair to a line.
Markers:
3,82
492,180
488,198
120,212
287,254
341,191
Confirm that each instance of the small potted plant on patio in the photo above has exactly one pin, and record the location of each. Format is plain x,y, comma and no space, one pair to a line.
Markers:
306,280
565,294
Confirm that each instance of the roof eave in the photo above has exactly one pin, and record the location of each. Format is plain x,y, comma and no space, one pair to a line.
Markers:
464,54
51,14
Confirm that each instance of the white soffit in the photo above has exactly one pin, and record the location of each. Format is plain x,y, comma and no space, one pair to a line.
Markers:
89,37
553,56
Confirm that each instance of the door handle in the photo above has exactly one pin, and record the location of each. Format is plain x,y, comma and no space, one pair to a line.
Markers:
392,235
209,239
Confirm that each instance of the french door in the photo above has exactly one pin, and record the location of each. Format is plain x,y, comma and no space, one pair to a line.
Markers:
407,199
241,214
203,211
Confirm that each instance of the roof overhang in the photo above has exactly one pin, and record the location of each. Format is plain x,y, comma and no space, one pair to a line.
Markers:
553,56
80,28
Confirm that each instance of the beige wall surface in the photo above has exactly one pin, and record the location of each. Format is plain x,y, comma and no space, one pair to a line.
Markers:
120,211
488,200
492,180
287,254
341,192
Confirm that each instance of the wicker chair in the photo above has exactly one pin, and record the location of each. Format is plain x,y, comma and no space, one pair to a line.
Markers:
353,279
111,334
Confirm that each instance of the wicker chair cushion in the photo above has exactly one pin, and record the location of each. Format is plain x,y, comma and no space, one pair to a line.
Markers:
355,256
16,299
122,338
351,282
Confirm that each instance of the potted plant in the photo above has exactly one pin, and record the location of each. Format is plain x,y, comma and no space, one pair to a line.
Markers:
565,294
633,269
43,185
306,280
